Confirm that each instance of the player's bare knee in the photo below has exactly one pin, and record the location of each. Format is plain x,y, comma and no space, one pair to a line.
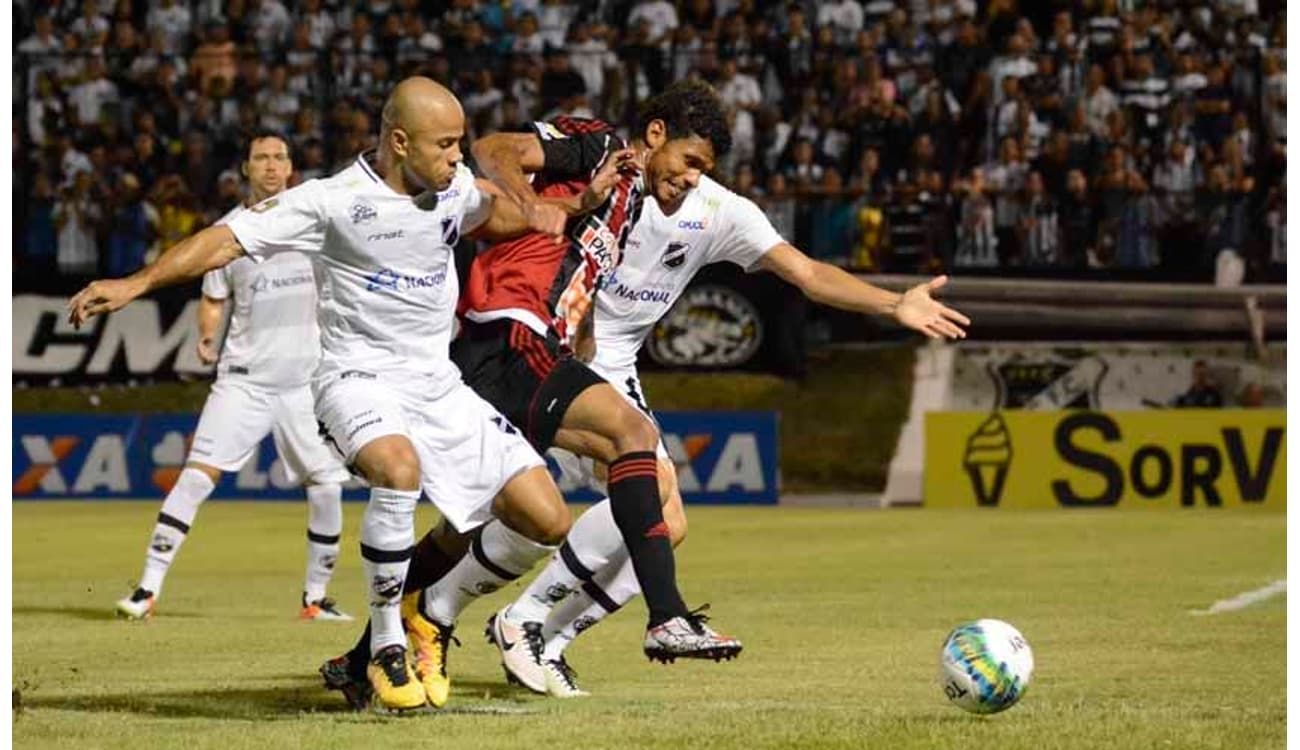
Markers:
553,525
636,433
399,470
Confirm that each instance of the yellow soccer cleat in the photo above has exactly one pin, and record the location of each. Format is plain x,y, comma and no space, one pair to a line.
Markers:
429,642
395,685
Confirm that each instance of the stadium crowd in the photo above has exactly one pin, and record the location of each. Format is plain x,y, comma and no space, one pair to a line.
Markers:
1139,138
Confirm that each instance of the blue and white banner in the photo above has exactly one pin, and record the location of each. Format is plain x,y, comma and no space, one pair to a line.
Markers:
722,457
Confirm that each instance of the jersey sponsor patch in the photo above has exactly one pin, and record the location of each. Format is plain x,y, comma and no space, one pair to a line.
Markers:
361,211
599,244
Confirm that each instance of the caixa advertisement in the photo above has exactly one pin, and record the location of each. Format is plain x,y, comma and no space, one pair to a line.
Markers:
721,457
1186,458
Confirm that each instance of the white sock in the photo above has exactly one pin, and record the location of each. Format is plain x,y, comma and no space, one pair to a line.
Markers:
593,602
387,541
593,544
497,556
178,511
324,525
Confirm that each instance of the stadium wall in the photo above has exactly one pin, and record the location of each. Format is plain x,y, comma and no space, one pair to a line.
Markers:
722,458
969,411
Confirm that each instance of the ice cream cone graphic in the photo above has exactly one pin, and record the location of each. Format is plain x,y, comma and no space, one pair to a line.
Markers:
988,458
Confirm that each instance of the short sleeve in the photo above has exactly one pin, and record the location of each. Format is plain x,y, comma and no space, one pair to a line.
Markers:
574,155
476,205
292,220
216,283
746,234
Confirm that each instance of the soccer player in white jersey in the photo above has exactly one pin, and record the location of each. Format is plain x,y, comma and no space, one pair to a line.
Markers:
678,233
262,387
381,234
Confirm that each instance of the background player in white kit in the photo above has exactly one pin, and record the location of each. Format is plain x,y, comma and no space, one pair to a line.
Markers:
270,350
679,232
382,234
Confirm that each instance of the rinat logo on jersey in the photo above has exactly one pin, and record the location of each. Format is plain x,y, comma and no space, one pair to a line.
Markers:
361,211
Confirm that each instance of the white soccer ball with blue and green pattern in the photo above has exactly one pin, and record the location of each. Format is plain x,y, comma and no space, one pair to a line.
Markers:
985,666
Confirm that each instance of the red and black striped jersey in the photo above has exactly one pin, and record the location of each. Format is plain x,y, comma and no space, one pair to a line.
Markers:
545,285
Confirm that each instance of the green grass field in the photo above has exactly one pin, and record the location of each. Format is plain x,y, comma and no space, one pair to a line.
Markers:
842,613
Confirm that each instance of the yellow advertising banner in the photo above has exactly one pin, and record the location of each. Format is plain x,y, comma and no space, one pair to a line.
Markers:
1174,458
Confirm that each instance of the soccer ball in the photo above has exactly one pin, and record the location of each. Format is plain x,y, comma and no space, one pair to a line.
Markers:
985,666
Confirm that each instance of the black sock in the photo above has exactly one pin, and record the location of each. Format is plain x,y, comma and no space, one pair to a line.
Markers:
428,565
634,500
359,656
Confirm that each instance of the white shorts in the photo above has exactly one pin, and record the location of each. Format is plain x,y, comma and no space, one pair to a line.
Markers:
580,471
467,451
237,416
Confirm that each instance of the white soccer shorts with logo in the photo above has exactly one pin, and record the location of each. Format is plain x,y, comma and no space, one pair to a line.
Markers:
581,470
467,450
238,416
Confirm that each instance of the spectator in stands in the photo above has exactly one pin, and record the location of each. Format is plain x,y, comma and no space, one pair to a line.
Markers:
40,243
132,225
1078,219
1203,392
269,21
40,50
832,222
740,92
171,20
77,218
977,238
1040,227
1003,181
1099,101
779,205
90,26
563,89
215,58
859,81
95,92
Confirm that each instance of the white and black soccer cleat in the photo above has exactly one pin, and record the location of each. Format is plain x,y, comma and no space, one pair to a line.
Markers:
689,637
561,680
520,647
137,606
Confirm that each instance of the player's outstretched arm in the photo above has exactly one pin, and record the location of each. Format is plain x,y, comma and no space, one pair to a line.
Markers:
211,248
507,159
831,285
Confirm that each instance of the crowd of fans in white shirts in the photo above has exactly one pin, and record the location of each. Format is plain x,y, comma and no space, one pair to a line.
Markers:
1129,136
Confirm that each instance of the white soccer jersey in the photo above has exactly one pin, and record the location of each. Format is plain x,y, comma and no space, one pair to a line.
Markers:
272,339
385,270
662,255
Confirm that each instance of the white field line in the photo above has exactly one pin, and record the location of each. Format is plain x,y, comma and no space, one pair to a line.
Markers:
1245,599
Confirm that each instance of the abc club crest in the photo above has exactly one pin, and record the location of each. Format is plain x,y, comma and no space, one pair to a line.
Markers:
675,254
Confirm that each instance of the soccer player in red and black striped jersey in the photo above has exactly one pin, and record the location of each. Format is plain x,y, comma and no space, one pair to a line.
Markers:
523,308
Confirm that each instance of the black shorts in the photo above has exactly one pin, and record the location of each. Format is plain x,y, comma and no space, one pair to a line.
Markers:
531,380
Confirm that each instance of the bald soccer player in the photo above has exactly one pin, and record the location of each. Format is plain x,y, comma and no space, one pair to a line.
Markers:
381,234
